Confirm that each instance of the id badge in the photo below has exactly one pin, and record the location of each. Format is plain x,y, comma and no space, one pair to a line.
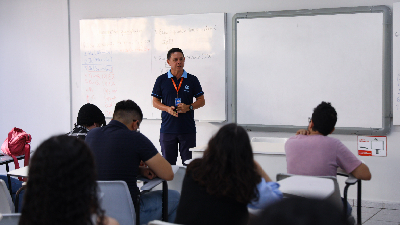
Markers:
177,101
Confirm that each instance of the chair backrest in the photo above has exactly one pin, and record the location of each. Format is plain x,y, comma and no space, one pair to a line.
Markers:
10,219
335,197
116,200
6,204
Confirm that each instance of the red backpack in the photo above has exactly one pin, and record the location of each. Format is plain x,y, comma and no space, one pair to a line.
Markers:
16,144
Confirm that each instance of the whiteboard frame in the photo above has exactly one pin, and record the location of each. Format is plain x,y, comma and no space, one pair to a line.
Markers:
386,66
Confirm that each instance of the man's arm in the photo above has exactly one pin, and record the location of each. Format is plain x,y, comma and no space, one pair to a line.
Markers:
159,105
362,172
200,102
161,167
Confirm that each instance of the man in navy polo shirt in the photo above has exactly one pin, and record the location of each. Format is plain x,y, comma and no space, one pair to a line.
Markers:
118,150
173,94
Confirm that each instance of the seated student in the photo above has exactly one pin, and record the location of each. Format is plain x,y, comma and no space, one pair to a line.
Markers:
62,187
89,117
218,187
311,152
300,211
118,149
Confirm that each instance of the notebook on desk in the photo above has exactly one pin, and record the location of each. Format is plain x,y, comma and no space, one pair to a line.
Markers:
150,184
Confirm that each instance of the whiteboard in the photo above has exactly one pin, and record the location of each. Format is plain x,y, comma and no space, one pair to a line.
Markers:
121,59
289,62
396,63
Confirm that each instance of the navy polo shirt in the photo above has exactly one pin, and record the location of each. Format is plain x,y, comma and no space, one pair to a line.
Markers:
117,152
164,89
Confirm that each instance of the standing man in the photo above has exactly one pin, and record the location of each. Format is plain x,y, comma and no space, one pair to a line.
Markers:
173,94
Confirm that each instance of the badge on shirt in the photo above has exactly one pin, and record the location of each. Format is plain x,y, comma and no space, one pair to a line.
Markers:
177,101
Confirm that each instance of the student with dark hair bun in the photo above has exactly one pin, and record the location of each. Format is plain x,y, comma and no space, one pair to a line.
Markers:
89,117
218,187
62,187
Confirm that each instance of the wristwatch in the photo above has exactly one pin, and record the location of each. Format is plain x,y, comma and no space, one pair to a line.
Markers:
190,107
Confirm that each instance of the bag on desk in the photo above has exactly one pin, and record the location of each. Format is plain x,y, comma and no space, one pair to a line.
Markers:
16,144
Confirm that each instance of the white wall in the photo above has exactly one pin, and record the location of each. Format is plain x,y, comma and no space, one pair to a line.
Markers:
46,24
34,68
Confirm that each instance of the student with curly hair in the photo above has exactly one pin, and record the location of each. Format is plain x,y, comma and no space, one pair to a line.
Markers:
62,187
312,153
218,187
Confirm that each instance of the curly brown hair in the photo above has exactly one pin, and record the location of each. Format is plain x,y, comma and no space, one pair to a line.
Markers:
61,187
227,168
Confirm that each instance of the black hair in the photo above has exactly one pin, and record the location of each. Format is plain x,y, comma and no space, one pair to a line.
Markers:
173,50
300,211
127,108
62,187
324,118
89,114
227,168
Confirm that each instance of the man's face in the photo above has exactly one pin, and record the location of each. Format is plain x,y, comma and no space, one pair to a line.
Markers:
176,61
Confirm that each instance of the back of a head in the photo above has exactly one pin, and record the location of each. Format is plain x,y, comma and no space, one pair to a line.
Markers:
127,110
300,211
62,187
89,114
324,118
231,144
229,157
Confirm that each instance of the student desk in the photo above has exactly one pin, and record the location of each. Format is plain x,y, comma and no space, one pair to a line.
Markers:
23,172
5,159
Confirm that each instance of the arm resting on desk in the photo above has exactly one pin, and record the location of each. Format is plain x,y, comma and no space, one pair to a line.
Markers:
161,167
362,172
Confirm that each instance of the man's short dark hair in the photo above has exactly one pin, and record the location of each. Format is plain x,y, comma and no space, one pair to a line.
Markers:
89,114
173,50
324,118
127,110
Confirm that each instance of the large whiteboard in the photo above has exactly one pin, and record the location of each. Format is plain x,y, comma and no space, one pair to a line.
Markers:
290,61
121,59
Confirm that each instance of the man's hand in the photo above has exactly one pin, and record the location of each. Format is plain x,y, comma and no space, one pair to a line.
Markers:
183,108
147,172
171,111
303,132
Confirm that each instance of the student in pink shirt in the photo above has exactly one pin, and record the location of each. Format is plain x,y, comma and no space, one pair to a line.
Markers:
311,152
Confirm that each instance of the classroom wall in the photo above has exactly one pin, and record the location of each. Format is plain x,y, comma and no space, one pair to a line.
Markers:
34,59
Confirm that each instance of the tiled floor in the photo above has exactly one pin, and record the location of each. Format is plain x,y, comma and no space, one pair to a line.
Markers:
379,214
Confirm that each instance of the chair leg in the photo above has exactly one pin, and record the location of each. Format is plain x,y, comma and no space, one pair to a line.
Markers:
165,201
359,202
17,198
345,200
137,209
9,179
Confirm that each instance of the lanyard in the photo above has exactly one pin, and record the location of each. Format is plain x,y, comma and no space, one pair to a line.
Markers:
180,84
